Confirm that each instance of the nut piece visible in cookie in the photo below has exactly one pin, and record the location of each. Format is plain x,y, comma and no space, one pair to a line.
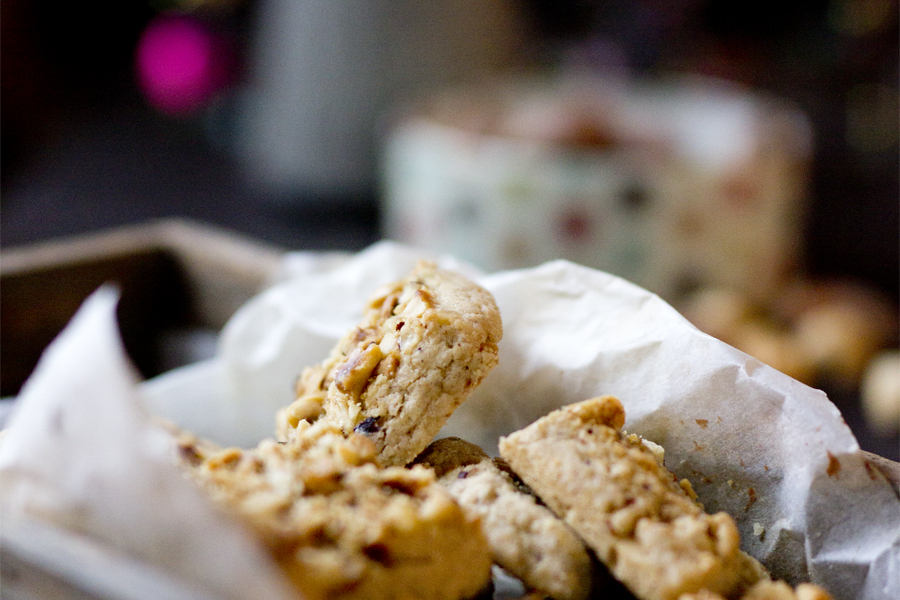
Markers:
423,345
610,488
527,539
340,525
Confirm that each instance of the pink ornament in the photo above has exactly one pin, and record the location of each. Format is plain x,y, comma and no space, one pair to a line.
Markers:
180,64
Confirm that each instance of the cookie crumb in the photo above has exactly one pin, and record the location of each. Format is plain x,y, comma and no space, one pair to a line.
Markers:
834,465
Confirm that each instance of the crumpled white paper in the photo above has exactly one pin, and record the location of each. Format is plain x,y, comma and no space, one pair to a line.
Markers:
770,451
82,454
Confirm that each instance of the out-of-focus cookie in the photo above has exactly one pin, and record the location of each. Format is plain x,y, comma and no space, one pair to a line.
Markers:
611,488
527,539
423,345
880,393
340,525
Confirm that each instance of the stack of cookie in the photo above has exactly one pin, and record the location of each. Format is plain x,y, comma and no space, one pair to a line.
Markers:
527,539
572,486
355,500
644,525
331,497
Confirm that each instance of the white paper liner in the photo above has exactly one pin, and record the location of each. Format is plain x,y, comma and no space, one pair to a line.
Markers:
82,454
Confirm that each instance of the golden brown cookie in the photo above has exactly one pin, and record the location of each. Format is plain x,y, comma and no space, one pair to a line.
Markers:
526,538
766,589
341,526
423,345
611,488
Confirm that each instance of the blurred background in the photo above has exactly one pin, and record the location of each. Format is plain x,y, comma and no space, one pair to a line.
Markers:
740,159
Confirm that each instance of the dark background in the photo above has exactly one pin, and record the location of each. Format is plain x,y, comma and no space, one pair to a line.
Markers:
81,149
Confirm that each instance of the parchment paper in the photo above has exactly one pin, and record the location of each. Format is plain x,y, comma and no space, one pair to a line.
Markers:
772,452
769,450
81,453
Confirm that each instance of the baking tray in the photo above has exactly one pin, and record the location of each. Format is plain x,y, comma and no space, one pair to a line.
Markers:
176,278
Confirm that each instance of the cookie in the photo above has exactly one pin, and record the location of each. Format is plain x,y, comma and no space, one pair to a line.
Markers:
341,526
423,345
779,590
613,490
766,589
526,539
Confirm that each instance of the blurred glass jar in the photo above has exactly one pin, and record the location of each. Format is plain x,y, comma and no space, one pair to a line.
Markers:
672,184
